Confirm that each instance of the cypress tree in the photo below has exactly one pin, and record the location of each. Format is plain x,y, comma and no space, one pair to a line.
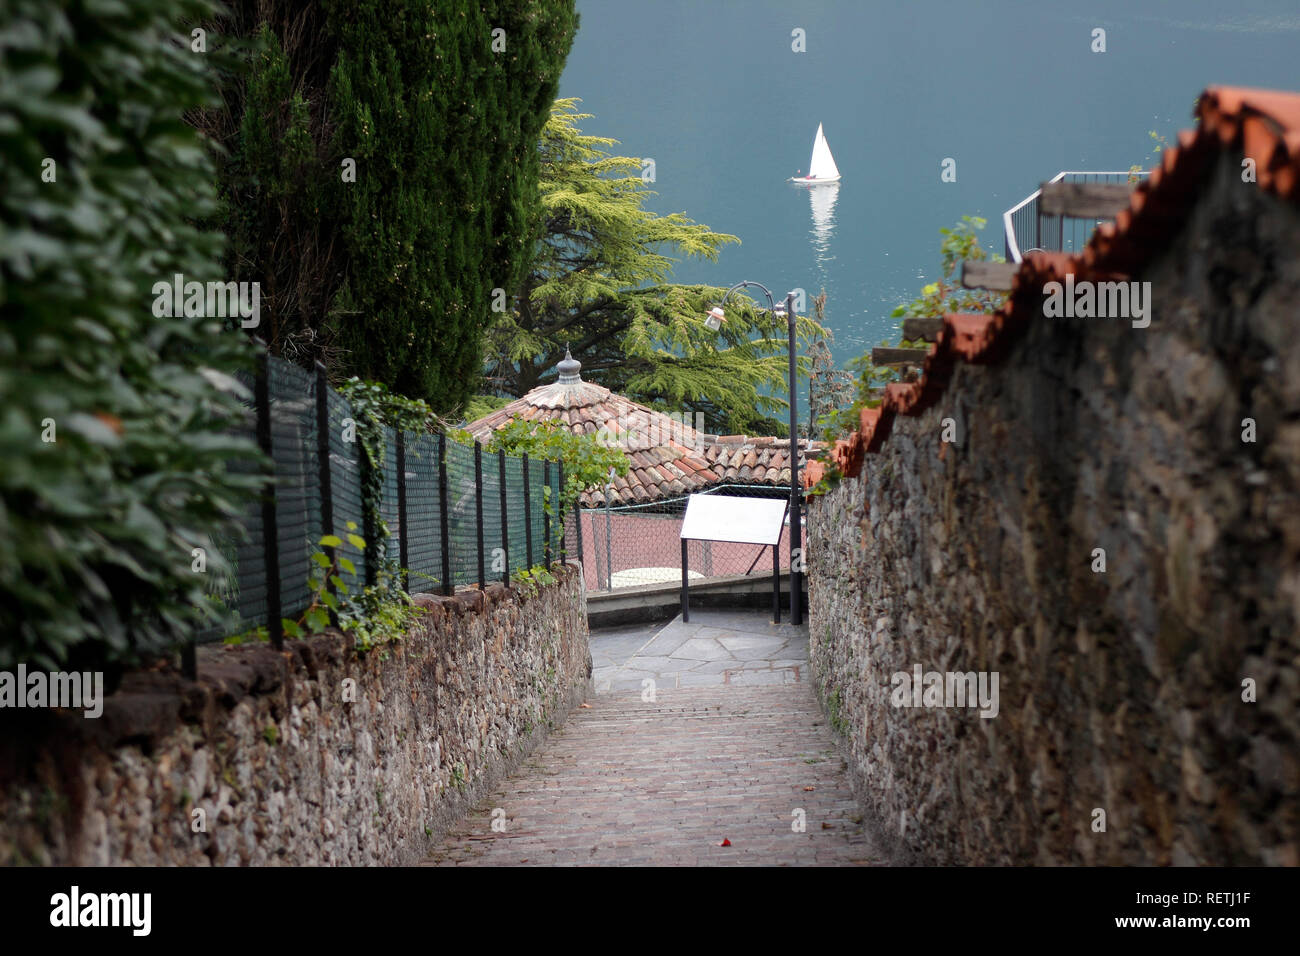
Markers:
390,276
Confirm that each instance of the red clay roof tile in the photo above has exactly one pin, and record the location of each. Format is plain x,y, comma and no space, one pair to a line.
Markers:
681,460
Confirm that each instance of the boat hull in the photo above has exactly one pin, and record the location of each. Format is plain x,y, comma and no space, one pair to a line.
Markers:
809,181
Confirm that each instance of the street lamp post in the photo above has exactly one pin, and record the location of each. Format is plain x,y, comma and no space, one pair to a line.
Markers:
714,321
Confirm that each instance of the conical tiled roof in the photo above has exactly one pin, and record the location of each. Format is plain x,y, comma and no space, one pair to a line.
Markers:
668,458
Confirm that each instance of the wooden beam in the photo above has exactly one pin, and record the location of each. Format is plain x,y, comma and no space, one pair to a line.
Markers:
977,274
926,330
885,357
1084,200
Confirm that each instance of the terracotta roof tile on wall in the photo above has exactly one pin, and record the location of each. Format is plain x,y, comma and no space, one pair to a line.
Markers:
1262,125
681,461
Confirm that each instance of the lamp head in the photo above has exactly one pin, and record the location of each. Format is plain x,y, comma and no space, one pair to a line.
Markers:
715,318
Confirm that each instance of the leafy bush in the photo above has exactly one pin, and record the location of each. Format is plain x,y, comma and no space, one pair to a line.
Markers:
531,580
943,295
114,420
328,589
946,294
373,614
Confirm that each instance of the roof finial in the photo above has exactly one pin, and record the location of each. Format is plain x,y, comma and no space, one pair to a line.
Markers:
568,368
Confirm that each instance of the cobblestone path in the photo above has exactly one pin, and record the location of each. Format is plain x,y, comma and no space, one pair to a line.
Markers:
629,781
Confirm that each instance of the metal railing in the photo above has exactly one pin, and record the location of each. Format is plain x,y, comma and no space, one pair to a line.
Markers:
629,545
1028,230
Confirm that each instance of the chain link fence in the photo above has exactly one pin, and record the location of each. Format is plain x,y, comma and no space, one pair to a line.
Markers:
625,546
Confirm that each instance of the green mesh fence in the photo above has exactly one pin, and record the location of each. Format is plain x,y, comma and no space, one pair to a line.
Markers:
423,515
538,495
461,521
494,562
553,506
515,513
345,475
410,504
297,479
388,502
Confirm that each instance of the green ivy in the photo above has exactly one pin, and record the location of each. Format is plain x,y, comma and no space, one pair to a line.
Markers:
374,615
373,408
377,404
961,243
531,580
115,423
587,462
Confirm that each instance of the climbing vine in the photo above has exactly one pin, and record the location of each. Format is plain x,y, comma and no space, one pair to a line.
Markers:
377,612
373,408
831,476
587,461
960,244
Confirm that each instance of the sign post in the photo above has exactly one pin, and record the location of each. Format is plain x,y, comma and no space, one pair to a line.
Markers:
739,520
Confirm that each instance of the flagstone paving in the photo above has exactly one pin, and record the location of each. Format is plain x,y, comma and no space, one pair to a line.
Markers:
716,647
662,779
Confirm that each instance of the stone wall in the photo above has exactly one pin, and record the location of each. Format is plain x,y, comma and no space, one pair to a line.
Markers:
1120,690
284,768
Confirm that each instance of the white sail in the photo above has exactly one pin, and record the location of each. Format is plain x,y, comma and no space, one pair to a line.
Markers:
822,165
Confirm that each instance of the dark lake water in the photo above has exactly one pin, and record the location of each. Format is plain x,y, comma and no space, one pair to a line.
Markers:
712,92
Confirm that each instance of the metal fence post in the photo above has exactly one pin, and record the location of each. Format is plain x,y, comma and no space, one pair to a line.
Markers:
609,545
478,508
686,583
369,514
401,510
270,527
505,520
323,469
595,543
564,539
448,586
546,512
776,583
528,516
582,558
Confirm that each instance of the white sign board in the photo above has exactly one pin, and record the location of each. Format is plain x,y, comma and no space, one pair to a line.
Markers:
728,518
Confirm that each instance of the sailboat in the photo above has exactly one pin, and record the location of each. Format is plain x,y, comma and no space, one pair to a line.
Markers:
821,168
